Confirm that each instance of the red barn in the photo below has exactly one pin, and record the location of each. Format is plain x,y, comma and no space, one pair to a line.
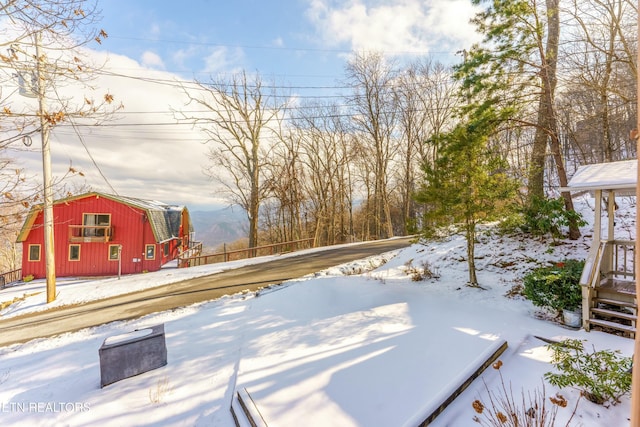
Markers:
96,234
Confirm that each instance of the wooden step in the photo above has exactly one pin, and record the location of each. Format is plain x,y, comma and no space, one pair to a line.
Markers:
610,301
611,294
613,325
612,313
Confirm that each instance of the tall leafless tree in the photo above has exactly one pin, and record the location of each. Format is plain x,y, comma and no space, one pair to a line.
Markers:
238,117
599,93
425,102
371,78
326,154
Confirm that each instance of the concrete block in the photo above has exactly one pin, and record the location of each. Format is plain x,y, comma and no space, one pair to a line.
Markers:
131,354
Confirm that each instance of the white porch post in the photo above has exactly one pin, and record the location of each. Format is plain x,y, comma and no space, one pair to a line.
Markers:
611,210
597,221
587,291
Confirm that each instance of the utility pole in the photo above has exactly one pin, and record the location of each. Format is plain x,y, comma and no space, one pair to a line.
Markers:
49,253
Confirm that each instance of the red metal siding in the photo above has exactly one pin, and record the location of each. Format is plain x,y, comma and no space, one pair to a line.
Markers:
131,229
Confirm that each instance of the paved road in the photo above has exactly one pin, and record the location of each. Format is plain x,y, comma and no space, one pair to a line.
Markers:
179,294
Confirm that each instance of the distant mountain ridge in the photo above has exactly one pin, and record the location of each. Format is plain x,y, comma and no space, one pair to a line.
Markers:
216,227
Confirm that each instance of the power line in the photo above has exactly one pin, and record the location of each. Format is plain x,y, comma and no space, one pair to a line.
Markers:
81,139
282,48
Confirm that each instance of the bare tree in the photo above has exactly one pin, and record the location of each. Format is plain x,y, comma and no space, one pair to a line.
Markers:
238,117
41,41
371,78
326,155
426,99
284,219
600,85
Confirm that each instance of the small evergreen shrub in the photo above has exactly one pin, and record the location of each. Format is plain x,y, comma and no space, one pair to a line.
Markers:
512,223
556,286
544,216
602,376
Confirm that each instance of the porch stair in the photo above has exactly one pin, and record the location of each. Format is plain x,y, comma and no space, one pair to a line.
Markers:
614,310
609,288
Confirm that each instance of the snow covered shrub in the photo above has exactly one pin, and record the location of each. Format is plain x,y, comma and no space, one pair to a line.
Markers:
422,272
511,224
556,286
501,408
547,216
601,376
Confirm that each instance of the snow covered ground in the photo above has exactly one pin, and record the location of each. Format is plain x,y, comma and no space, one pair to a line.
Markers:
343,347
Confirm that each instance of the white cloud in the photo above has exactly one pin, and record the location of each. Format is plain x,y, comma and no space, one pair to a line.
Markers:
143,152
395,27
223,59
182,56
450,19
152,60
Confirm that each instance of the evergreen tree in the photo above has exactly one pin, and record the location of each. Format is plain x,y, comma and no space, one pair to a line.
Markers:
517,63
469,181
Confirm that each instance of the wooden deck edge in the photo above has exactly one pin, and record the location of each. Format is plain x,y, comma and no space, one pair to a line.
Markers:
248,408
238,419
458,391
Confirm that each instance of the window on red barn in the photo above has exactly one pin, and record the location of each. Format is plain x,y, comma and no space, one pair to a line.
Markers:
34,252
150,252
114,252
74,252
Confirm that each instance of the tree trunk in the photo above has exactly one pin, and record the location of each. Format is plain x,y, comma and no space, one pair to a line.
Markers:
535,185
549,80
471,252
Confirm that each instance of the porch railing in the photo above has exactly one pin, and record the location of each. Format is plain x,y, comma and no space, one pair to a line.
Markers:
10,277
591,272
624,261
90,233
194,250
613,259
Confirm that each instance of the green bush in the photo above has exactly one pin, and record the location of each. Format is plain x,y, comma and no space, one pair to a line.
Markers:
556,286
547,216
512,223
602,376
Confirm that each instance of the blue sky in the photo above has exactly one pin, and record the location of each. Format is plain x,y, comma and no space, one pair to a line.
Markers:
204,37
302,44
291,41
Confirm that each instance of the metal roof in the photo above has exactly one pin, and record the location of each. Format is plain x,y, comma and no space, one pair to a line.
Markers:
163,218
622,175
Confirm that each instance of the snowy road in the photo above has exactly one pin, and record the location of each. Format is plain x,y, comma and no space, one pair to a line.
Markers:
183,293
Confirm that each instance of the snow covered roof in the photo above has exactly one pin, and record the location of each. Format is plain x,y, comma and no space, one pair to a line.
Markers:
622,175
